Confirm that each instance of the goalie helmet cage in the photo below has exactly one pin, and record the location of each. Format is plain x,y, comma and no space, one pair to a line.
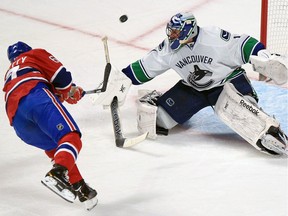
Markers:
274,27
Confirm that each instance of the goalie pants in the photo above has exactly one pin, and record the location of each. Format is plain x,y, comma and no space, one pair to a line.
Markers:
181,102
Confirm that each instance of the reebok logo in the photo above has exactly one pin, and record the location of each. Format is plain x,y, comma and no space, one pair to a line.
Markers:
249,107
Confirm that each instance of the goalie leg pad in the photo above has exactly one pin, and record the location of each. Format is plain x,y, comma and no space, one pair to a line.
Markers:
151,118
246,119
146,119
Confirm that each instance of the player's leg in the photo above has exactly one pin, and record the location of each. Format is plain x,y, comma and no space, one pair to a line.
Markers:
31,134
243,115
148,113
51,128
83,191
181,102
176,106
69,146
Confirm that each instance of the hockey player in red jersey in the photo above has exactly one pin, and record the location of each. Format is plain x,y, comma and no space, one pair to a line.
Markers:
36,85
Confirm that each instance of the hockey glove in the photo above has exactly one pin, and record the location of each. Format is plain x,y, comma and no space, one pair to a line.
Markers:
71,95
74,95
63,95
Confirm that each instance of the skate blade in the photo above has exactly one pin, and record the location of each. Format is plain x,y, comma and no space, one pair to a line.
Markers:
90,204
274,145
51,184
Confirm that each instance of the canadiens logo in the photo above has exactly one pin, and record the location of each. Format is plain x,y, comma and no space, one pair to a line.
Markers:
197,75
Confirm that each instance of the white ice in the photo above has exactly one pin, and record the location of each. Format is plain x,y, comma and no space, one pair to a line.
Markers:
201,169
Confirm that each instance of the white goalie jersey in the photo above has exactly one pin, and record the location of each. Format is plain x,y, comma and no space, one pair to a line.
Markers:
215,57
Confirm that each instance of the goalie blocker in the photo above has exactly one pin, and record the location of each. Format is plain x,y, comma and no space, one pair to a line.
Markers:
117,86
250,122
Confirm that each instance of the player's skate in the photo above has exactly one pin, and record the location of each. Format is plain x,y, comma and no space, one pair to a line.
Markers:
275,141
57,180
85,194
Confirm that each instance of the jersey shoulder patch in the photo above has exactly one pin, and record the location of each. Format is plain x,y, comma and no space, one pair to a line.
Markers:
225,35
161,45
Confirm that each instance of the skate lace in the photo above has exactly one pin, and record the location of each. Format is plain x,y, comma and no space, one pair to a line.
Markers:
65,176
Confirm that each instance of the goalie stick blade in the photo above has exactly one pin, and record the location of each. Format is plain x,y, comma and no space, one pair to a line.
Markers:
129,142
120,140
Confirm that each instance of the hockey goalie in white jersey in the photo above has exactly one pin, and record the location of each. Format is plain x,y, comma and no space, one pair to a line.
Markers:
209,60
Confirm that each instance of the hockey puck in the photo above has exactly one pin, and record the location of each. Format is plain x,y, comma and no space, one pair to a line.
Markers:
123,18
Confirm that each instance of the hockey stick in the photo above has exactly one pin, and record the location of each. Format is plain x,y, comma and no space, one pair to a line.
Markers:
105,81
120,141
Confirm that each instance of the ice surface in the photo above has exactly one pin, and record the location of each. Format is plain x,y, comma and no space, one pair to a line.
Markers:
201,169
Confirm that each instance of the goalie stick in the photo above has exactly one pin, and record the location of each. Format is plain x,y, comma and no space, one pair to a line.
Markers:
120,141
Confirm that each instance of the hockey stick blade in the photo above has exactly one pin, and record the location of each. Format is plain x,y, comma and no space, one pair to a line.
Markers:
105,81
121,141
129,142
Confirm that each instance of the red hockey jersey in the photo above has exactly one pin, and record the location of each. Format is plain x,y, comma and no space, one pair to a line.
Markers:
28,69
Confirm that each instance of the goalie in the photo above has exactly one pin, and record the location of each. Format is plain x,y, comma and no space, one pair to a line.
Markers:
209,60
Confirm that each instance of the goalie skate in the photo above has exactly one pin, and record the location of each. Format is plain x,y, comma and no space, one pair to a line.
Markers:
57,181
275,142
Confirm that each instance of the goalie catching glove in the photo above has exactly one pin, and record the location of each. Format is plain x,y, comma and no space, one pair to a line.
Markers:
71,95
272,66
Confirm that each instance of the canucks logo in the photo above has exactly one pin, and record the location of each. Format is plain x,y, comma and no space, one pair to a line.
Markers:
225,35
197,75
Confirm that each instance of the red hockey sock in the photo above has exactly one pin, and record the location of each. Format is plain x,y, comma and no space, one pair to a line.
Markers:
51,153
68,149
74,175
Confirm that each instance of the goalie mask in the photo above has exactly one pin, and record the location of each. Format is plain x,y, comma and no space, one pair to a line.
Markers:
180,29
16,49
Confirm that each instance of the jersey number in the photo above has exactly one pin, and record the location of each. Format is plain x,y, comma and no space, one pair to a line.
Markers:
12,73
